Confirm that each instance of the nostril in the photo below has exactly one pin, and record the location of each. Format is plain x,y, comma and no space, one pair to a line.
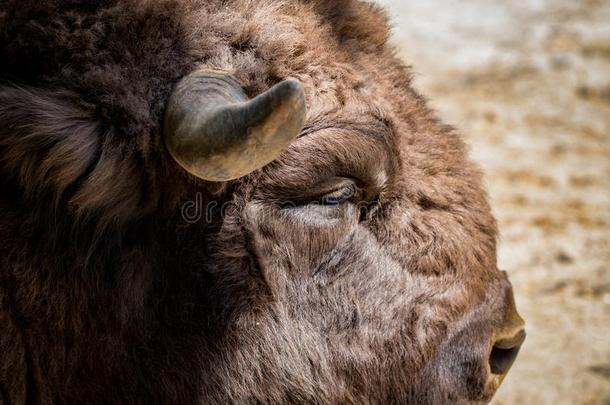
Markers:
500,360
504,353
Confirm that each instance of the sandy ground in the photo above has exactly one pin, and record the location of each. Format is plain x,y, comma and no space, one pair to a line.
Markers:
528,84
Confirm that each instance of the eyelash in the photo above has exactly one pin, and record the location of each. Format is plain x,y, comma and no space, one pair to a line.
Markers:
338,196
348,193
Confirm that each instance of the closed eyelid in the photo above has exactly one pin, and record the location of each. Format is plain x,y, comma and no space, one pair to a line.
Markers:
343,192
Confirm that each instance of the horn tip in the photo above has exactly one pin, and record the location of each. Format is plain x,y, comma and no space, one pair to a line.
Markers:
291,89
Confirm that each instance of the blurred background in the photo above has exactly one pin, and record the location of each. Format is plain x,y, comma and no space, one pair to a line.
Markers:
527,83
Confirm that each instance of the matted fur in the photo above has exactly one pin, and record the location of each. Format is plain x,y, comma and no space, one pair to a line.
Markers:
107,295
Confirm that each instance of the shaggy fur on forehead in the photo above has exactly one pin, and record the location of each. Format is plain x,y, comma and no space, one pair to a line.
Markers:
107,294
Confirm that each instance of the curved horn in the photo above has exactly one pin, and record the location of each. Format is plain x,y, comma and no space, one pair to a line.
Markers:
215,133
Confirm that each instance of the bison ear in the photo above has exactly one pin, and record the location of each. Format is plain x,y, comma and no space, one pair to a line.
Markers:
365,24
45,139
55,149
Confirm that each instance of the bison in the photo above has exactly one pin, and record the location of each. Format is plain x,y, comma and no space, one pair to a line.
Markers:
347,253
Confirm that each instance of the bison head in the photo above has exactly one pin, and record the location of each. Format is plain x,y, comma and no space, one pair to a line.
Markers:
237,201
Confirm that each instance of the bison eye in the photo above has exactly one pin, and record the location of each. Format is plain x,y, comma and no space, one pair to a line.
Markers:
339,196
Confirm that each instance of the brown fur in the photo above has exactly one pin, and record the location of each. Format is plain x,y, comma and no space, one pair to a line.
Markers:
107,295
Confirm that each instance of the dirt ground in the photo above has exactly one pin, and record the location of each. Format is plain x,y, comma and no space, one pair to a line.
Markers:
528,85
